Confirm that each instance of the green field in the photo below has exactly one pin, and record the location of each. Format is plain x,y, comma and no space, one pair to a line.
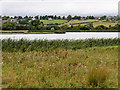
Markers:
85,22
81,68
53,21
82,21
79,22
104,23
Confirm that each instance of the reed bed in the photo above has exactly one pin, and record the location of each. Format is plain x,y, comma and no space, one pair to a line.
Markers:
47,45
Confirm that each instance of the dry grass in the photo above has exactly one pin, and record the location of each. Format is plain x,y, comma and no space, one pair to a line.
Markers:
97,75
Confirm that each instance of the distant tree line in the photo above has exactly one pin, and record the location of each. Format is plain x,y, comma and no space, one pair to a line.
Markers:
37,25
69,17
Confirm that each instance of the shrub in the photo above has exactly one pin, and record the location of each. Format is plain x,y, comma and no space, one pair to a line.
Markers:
101,27
52,29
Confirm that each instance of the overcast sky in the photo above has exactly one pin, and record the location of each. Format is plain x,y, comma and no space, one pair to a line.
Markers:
59,7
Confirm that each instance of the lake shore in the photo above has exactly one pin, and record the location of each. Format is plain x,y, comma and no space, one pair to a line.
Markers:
50,32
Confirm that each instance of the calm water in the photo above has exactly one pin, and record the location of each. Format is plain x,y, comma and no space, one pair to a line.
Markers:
68,35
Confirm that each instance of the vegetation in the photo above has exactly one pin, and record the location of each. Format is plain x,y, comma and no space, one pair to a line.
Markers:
107,24
59,68
54,23
90,63
14,31
22,45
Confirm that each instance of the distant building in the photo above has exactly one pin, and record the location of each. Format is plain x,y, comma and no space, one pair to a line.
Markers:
97,17
50,17
33,19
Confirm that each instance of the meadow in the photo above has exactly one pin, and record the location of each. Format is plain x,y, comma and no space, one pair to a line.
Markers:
53,21
83,68
104,23
85,22
90,63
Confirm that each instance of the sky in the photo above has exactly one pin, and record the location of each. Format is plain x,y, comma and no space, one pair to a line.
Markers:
59,7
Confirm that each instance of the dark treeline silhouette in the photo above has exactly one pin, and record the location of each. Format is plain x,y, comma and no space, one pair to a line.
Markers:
46,17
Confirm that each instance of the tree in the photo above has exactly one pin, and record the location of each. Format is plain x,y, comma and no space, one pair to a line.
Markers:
40,27
63,17
55,17
34,24
15,17
79,17
30,17
75,17
19,17
90,17
69,17
85,27
5,17
103,17
26,17
40,17
9,25
59,17
101,27
46,17
36,17
22,27
23,21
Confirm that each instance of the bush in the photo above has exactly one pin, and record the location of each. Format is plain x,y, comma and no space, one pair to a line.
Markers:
101,27
85,27
52,29
117,26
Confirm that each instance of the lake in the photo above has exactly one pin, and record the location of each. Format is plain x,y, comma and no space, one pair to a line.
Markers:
68,35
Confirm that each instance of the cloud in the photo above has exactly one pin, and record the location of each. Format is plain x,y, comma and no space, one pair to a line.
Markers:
59,7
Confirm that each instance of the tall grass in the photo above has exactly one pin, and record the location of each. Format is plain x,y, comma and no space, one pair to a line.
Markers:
97,76
47,45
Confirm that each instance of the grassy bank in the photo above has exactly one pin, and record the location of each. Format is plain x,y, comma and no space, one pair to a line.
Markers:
22,45
58,68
